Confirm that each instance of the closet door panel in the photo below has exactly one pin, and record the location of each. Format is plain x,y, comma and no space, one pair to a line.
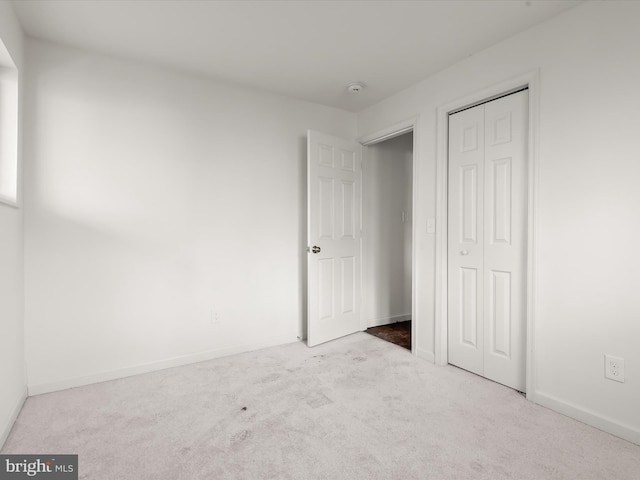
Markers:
466,238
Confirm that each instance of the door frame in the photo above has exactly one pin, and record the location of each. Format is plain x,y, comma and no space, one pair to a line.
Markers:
400,128
530,80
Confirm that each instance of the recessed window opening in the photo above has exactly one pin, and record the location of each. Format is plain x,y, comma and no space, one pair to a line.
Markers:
8,128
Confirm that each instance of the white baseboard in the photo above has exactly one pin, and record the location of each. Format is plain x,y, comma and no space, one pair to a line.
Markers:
587,416
5,428
377,322
426,355
40,388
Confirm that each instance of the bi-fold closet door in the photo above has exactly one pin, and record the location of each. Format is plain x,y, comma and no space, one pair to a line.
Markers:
487,239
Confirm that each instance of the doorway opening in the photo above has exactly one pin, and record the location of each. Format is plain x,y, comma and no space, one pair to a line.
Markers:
387,239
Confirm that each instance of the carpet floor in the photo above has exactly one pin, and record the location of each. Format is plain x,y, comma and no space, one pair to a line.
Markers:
354,408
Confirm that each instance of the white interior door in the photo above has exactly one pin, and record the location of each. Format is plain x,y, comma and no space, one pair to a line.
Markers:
466,239
487,239
333,224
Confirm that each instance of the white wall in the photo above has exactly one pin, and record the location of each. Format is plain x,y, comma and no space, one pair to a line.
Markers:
386,239
165,216
12,373
588,218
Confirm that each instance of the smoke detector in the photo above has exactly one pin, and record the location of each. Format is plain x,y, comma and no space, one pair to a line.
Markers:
355,87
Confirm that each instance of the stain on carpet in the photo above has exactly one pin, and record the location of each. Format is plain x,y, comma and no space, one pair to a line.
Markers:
240,437
318,399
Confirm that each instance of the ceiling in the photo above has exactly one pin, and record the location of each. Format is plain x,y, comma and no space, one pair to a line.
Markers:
309,50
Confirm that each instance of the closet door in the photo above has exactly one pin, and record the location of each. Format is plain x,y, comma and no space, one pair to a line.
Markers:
487,239
466,239
505,239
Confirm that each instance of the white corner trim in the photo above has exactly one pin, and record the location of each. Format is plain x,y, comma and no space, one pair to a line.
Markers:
7,425
388,133
40,388
533,82
589,417
426,355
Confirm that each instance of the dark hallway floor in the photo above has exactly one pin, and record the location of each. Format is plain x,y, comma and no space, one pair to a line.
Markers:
398,333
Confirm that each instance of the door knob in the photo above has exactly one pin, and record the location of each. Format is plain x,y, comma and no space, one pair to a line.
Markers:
315,249
464,252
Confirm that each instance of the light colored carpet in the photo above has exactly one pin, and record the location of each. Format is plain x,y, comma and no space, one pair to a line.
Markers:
355,408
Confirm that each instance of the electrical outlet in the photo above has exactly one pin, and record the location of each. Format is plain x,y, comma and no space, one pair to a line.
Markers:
614,368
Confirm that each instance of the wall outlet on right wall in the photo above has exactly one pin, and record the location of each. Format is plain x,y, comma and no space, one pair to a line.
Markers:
614,368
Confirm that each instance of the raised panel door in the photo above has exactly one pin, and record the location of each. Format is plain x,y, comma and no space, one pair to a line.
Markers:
487,239
506,127
465,263
333,224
